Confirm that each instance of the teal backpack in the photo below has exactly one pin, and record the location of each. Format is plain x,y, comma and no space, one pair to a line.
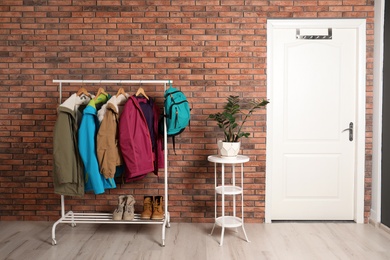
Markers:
177,113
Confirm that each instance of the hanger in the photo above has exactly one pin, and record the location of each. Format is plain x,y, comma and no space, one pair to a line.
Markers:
121,91
141,91
100,91
83,91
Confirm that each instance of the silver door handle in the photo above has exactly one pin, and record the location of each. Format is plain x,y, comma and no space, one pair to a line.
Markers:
350,129
314,37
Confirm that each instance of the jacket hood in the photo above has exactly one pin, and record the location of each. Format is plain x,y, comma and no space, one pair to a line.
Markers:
115,104
74,101
90,110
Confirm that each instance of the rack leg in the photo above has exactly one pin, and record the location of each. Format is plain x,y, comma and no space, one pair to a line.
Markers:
53,230
168,224
73,224
53,233
163,234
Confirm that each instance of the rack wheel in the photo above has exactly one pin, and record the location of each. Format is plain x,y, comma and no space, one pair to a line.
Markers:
73,224
53,242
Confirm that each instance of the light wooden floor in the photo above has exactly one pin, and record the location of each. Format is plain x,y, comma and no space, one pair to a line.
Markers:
184,241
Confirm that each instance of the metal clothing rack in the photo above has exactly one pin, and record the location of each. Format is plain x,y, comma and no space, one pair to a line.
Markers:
106,218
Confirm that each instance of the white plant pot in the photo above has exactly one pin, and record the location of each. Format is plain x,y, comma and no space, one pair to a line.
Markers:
229,149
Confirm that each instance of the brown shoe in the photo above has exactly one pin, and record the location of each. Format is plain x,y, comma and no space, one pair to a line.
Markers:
158,211
118,212
128,213
147,213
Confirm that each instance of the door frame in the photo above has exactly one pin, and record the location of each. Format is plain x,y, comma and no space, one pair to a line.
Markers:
376,186
360,26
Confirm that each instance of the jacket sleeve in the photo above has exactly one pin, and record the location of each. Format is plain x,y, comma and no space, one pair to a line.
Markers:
159,153
63,151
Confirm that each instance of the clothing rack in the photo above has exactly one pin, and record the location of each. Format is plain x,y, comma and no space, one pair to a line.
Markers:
73,218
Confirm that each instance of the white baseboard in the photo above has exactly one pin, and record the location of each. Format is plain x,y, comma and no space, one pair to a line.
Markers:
373,222
379,225
384,228
374,216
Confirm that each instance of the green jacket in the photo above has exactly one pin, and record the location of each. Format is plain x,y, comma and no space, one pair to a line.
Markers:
68,175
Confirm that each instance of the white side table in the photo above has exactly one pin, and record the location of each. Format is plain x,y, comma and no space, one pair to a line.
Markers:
223,220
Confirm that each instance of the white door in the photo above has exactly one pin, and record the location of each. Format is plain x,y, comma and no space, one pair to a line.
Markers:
315,82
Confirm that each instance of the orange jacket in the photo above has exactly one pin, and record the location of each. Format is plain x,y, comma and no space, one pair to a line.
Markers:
107,140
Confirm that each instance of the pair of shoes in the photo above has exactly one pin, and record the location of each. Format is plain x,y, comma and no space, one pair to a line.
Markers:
153,208
125,209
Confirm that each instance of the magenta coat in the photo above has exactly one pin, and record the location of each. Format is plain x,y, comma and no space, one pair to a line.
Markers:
139,140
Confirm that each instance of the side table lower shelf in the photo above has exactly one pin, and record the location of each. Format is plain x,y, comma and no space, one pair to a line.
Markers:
229,222
228,190
106,218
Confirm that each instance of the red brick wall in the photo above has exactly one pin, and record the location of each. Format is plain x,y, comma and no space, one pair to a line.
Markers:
209,48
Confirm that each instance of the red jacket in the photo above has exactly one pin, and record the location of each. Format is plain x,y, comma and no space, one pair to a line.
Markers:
135,139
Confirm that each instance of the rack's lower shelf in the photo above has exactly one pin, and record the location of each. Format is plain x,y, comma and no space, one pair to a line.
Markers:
106,218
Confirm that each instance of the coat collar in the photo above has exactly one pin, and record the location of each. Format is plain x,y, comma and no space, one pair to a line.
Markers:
116,101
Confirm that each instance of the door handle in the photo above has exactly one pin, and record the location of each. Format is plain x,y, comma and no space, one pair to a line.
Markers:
314,37
350,129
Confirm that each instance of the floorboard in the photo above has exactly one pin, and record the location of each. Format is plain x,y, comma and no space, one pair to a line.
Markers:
185,241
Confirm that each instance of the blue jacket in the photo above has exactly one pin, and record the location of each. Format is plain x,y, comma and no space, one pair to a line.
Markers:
89,127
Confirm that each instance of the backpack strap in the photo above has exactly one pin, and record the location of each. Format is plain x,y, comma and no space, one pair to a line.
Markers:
173,143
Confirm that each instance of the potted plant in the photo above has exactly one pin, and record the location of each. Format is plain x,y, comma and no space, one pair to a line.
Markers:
229,121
